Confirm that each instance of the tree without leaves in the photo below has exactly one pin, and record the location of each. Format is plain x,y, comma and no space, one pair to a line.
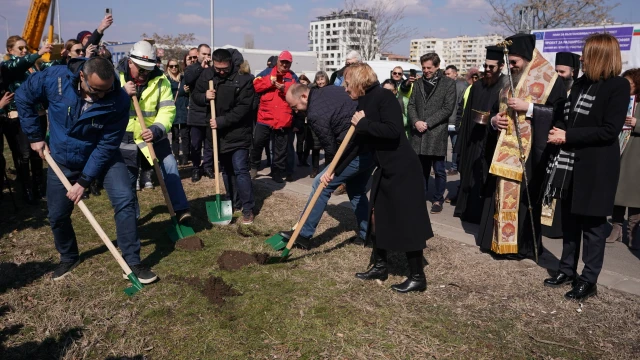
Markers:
386,30
174,46
550,13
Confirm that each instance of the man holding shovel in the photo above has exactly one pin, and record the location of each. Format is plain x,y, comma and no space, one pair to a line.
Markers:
140,77
233,95
329,112
88,115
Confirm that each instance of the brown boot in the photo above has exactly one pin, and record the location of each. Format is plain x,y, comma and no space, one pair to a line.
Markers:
616,233
634,241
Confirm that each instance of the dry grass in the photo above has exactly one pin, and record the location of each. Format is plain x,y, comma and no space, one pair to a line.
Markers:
310,307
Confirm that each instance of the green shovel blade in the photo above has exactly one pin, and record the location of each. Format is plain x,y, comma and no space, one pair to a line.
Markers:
219,212
178,232
277,242
136,285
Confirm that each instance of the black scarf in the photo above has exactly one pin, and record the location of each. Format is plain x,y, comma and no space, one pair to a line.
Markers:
560,168
431,83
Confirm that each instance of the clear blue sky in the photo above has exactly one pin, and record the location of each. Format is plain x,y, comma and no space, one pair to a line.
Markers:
275,25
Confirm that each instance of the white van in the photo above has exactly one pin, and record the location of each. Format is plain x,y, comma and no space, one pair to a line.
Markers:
384,68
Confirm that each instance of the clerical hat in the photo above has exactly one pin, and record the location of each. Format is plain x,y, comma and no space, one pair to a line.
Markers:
569,59
494,53
522,45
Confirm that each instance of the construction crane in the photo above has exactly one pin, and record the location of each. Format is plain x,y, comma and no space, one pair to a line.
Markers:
35,22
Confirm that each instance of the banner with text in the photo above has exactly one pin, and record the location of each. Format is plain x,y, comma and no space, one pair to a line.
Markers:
552,41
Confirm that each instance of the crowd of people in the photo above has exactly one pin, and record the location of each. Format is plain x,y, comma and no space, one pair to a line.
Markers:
539,148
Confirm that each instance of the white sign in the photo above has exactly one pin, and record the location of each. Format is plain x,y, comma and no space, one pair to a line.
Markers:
552,41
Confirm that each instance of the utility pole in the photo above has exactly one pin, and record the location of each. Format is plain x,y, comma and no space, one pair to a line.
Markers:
212,24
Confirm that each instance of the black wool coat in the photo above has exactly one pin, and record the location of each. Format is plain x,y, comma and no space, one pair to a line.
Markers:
397,195
594,139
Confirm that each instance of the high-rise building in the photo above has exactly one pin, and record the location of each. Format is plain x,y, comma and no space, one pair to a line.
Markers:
463,51
332,36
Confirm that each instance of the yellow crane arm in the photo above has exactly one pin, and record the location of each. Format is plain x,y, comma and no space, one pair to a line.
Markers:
35,23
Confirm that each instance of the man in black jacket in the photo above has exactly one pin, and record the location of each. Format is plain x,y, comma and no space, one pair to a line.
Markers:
329,112
197,119
234,98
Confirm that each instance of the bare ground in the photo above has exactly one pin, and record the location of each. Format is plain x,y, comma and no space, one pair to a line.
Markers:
310,307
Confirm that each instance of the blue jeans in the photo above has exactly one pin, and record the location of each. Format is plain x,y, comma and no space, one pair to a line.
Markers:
438,163
453,135
237,181
355,176
171,177
116,183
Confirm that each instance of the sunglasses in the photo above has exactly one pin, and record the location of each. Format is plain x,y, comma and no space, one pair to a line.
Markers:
490,67
141,71
23,48
512,62
93,91
80,51
220,70
173,66
396,73
474,77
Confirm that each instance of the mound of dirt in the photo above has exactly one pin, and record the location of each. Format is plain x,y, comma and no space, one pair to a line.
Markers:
192,243
213,288
234,260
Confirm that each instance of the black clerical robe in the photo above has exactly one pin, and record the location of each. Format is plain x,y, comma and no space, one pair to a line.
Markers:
470,147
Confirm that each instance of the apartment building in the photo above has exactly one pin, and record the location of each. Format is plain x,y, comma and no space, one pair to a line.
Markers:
462,51
332,36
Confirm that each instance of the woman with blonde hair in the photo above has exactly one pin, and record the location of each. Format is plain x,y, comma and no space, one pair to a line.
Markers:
16,68
179,129
590,153
398,215
245,68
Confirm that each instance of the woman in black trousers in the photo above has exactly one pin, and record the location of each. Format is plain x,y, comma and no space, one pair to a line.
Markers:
398,219
593,118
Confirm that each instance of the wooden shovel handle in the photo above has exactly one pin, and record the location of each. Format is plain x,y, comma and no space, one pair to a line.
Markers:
88,215
214,137
154,158
316,195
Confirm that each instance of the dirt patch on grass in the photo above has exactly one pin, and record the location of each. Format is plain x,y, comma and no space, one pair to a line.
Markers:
234,260
213,288
190,244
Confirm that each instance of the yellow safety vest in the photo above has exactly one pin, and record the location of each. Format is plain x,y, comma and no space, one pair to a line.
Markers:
157,106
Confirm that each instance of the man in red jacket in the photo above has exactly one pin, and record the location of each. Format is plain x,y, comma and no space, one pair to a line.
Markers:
274,115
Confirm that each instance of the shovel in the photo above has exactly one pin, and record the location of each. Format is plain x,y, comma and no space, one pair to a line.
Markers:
177,231
136,285
316,195
219,212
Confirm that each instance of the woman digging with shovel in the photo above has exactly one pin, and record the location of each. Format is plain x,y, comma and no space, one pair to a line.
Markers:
397,199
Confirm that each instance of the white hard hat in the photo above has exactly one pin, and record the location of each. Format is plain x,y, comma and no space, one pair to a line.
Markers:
144,55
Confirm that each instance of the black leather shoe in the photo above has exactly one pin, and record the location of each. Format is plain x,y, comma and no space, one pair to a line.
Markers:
85,195
302,242
378,271
196,175
582,291
415,282
209,173
94,189
559,280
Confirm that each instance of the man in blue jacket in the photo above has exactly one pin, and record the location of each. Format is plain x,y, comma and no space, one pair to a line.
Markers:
88,115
